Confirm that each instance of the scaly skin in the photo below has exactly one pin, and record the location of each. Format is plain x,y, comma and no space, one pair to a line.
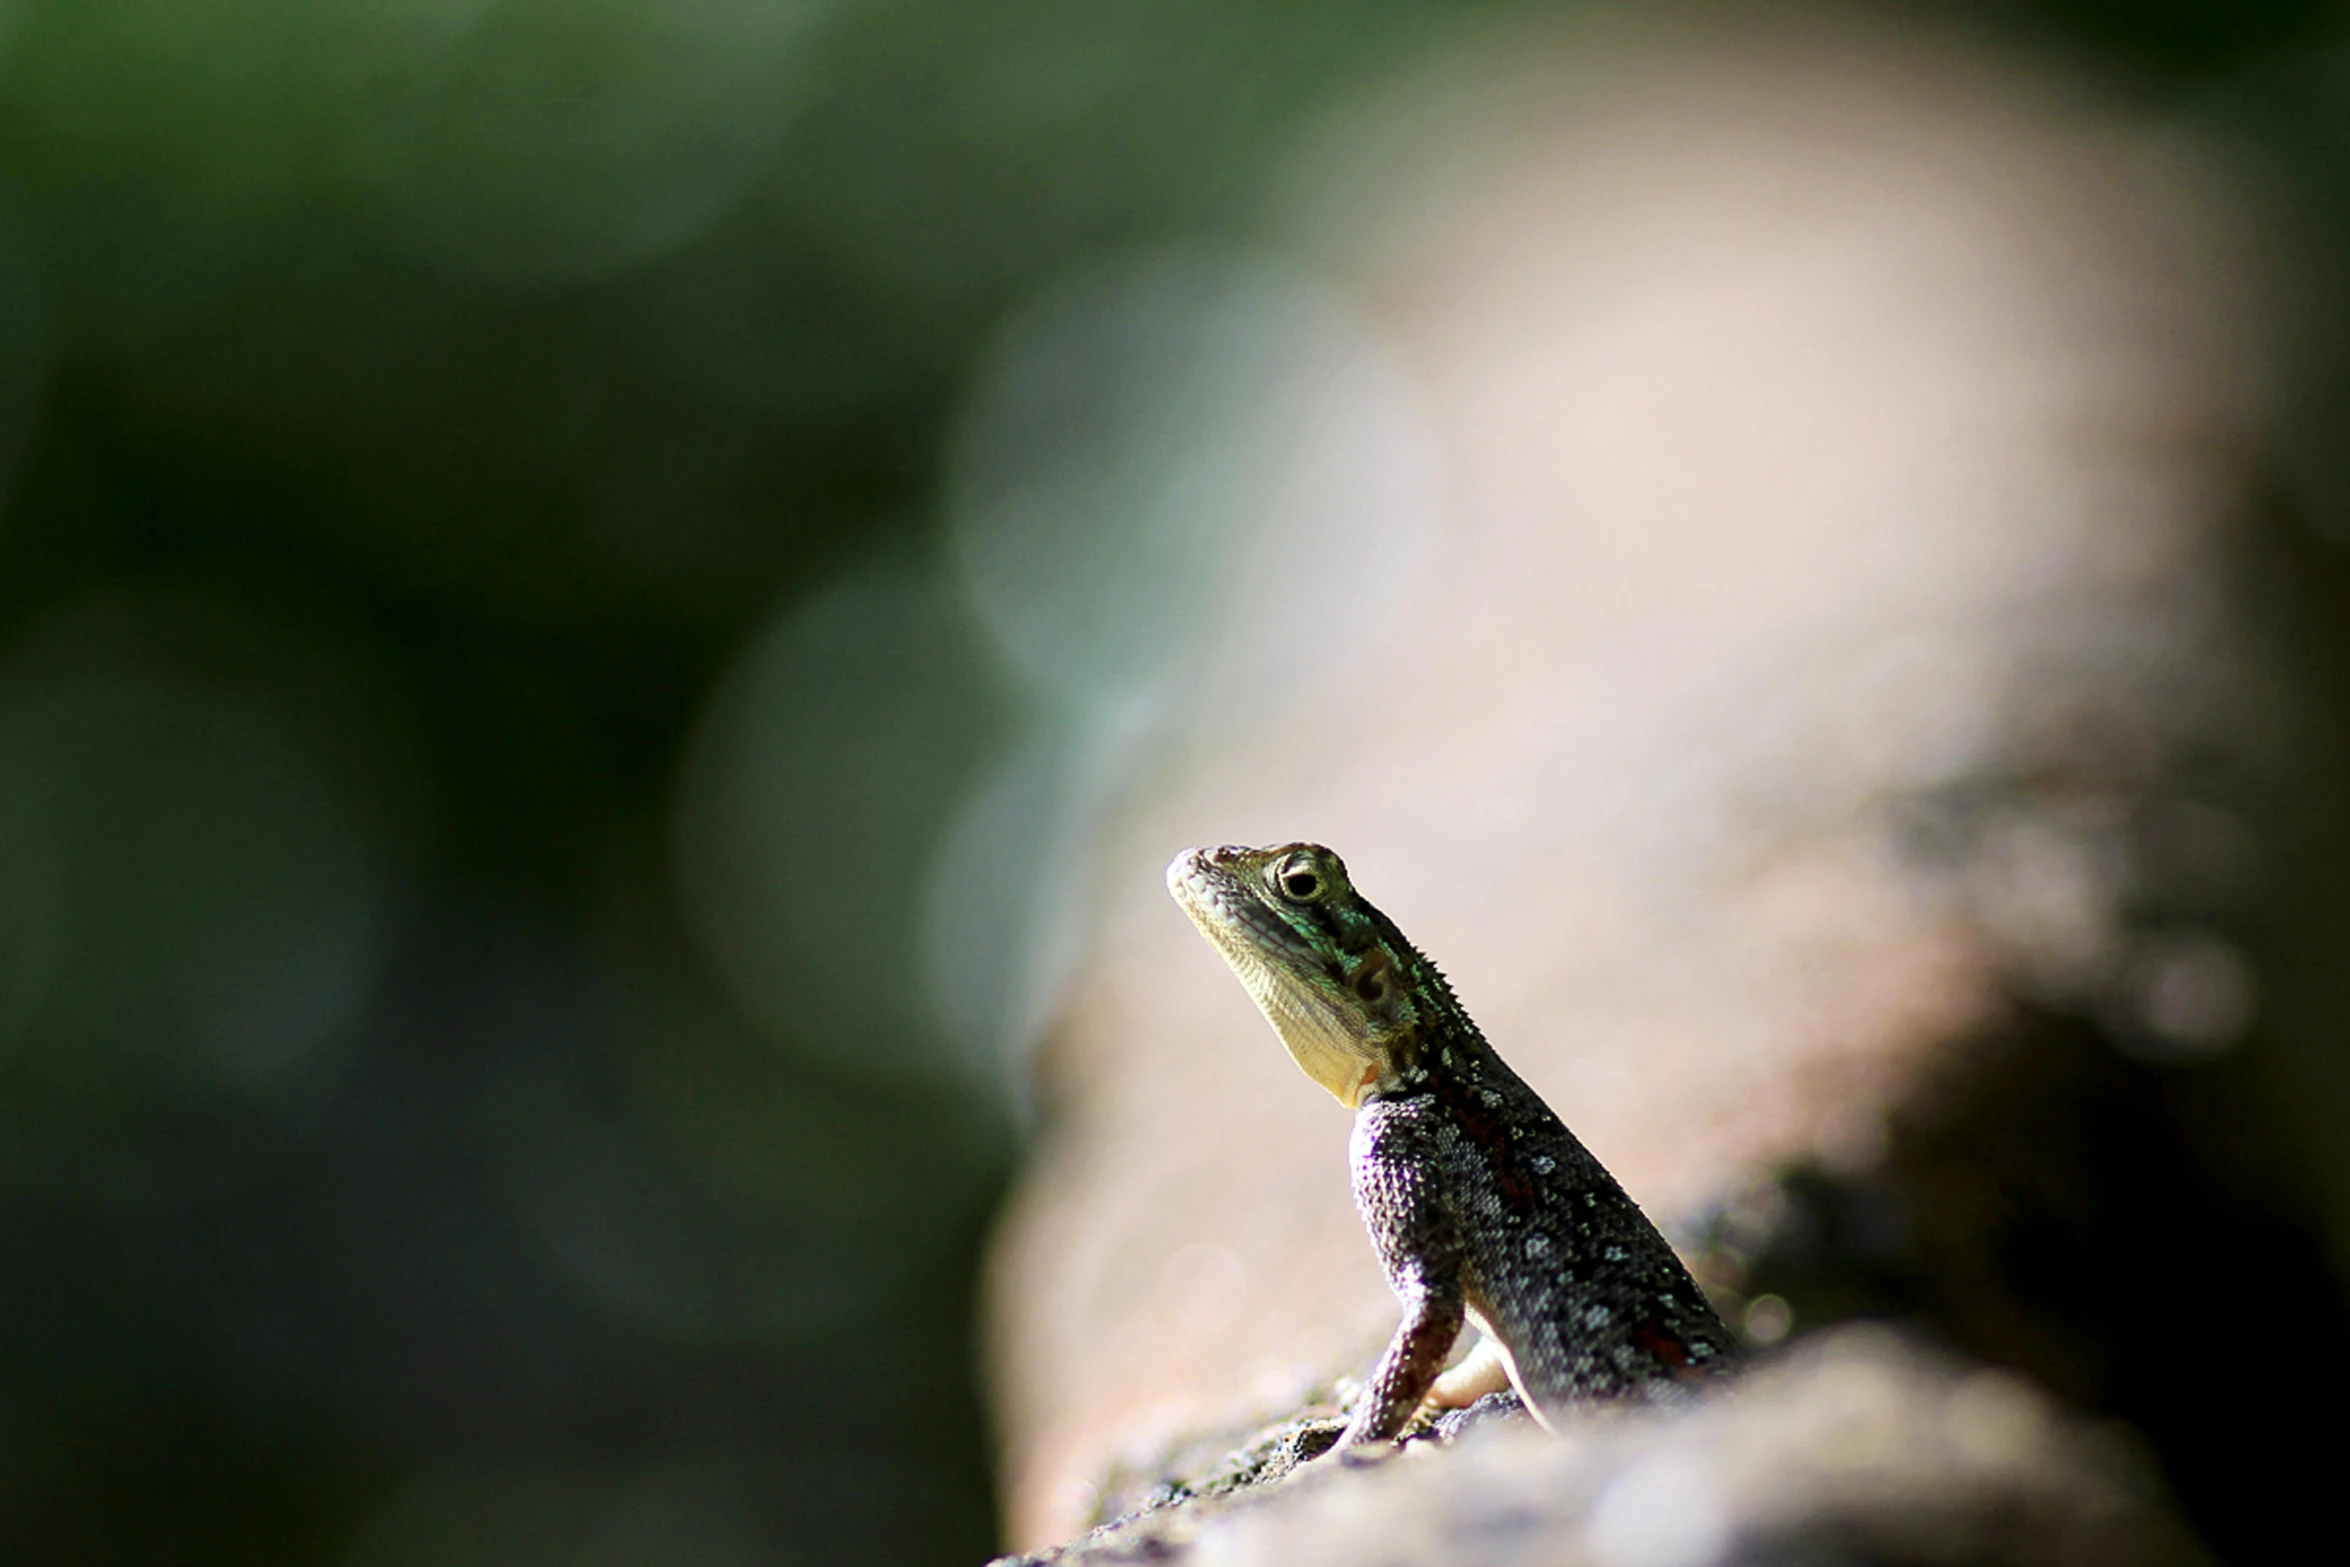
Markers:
1483,1207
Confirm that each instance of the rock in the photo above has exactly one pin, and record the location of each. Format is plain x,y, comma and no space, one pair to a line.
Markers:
1858,1448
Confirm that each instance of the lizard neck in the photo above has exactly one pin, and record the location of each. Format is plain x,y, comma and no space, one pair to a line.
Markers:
1445,1048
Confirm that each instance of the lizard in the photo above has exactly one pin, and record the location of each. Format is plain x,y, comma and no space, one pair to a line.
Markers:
1482,1206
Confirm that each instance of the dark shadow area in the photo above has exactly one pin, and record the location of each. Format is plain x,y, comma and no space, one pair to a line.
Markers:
2126,1234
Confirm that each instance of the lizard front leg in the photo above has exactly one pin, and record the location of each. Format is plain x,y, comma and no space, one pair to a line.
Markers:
1414,1359
1420,1251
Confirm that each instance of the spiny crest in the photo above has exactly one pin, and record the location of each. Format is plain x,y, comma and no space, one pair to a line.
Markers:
1430,981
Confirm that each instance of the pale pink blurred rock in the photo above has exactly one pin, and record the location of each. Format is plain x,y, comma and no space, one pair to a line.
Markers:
1837,421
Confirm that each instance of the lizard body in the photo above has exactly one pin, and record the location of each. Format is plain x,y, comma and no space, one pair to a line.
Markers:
1483,1207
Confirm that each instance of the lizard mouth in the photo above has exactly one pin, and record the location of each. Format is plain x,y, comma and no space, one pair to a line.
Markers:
1228,912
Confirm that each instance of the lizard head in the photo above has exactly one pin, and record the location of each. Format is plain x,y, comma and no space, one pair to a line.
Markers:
1329,972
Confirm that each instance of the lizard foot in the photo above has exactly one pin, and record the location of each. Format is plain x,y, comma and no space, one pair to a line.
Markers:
1453,1424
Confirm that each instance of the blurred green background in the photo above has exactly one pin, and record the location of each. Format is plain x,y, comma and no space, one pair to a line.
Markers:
478,715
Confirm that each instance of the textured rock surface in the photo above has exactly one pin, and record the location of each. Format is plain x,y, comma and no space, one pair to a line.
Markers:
1856,1449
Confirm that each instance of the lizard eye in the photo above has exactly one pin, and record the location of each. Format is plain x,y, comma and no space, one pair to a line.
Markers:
1299,881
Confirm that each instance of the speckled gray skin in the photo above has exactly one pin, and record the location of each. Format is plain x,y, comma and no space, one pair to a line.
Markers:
1483,1207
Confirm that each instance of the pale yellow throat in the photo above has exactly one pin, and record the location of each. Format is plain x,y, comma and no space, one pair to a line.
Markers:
1324,1048
1346,1074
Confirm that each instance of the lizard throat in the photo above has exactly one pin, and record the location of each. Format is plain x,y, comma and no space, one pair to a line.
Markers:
1325,1042
1333,1059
